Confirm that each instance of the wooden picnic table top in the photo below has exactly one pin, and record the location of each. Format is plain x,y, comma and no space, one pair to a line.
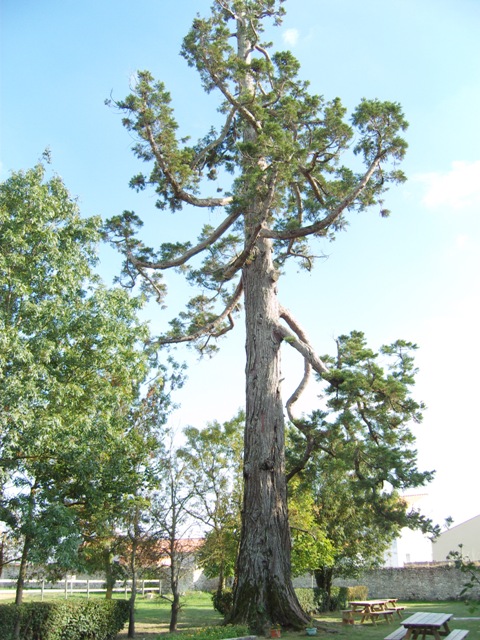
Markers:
369,603
434,620
435,624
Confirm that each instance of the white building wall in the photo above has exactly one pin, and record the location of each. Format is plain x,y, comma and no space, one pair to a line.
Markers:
467,534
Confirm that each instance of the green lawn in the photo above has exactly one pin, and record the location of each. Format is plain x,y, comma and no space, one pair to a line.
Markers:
198,612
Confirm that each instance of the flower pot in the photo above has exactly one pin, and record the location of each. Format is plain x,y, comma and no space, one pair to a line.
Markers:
275,633
311,631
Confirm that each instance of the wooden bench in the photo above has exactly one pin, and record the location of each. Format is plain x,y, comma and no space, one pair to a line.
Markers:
398,634
457,634
386,613
398,610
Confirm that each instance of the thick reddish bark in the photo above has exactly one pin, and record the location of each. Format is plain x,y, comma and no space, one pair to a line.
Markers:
264,592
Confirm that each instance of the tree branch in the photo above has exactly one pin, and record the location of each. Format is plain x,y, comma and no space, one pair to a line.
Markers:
215,143
299,341
177,262
311,361
209,329
322,225
179,193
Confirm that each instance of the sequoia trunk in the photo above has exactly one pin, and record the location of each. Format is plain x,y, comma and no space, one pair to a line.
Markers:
264,592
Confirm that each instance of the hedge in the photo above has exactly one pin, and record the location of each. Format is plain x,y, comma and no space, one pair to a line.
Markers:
64,620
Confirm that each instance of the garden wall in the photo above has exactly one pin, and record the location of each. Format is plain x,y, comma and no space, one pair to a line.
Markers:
422,582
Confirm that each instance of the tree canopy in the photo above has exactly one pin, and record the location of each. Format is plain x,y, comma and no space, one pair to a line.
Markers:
72,362
362,457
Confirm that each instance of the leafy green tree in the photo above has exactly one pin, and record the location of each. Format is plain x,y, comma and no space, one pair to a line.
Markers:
109,525
310,545
283,147
214,470
364,456
71,364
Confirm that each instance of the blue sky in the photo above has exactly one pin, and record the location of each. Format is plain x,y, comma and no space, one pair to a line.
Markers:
413,276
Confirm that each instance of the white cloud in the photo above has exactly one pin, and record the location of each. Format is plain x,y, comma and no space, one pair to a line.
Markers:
290,36
456,189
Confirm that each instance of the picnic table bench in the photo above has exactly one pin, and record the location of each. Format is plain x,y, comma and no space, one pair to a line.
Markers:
401,632
398,634
457,634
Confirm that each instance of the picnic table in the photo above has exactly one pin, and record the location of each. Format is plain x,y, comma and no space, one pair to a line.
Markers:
371,610
423,624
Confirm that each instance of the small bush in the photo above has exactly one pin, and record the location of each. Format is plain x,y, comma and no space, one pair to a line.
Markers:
339,597
360,592
309,599
73,620
223,602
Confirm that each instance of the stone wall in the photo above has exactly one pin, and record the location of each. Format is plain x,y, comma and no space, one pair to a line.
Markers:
422,582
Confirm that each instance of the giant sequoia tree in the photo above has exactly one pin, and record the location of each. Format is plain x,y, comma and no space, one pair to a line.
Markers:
283,148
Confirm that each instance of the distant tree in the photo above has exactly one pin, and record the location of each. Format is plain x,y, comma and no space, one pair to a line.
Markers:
71,364
363,455
283,147
214,471
172,524
140,539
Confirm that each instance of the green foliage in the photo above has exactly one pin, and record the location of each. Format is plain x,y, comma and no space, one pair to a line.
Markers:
308,599
317,600
282,145
363,455
471,570
337,598
332,600
222,601
214,463
72,361
310,545
99,619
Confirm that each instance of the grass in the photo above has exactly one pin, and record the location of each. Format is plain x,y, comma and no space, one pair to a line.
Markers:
198,612
153,616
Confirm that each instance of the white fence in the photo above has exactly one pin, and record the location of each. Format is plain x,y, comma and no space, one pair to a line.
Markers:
71,586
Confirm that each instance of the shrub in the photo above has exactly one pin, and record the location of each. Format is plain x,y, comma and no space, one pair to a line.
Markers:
339,597
309,599
73,620
360,592
223,601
